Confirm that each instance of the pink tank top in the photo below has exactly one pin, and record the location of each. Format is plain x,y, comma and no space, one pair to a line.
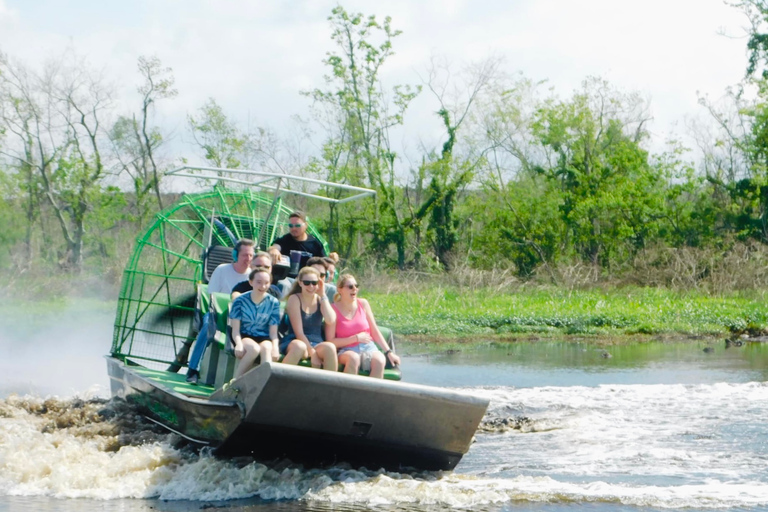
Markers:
346,327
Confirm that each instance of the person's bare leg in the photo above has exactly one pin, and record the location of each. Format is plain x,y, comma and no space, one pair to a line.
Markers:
351,362
266,351
296,351
326,354
378,362
251,353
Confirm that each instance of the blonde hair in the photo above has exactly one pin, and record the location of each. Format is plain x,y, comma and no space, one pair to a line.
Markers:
343,278
296,288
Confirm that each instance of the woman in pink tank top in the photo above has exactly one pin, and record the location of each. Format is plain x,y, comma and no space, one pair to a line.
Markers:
355,332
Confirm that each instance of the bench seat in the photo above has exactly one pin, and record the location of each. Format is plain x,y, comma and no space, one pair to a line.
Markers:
219,362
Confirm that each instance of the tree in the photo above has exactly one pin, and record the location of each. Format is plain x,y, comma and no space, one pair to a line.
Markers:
756,12
220,138
358,151
610,204
136,142
449,173
523,225
13,222
518,221
56,117
735,161
17,121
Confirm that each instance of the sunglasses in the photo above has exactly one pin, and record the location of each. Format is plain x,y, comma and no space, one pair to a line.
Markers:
352,286
310,283
295,225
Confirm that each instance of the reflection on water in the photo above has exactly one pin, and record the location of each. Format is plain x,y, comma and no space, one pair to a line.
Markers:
656,426
551,363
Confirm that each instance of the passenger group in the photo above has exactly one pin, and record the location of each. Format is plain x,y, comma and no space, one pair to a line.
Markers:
326,325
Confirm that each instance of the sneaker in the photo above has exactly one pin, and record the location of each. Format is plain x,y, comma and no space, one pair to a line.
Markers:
193,376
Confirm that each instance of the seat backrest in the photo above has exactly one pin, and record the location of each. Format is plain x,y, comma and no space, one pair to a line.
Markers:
203,298
215,256
221,309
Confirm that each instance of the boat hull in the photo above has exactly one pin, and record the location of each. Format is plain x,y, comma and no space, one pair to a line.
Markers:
200,420
319,417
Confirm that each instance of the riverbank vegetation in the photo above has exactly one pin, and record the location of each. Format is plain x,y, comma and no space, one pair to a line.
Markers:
552,312
472,306
545,212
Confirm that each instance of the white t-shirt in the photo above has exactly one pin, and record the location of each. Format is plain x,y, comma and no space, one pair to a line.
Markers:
225,277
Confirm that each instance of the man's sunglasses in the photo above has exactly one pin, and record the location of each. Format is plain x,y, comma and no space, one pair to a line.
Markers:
310,283
295,225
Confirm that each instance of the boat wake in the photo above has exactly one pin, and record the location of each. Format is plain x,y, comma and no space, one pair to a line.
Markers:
103,449
576,448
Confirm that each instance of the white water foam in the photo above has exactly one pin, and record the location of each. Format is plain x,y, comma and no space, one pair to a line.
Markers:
462,491
666,446
689,432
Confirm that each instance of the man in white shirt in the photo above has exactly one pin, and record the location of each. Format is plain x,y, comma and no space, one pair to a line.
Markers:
225,277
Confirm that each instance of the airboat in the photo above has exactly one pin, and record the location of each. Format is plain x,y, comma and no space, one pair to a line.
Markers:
275,410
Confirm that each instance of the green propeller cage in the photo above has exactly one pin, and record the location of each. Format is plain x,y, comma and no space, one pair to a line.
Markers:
156,308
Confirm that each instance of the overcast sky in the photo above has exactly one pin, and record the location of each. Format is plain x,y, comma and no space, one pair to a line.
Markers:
255,56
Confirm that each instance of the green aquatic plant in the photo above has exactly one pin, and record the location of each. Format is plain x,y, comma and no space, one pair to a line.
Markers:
628,311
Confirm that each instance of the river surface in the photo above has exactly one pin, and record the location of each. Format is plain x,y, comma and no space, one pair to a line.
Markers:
656,426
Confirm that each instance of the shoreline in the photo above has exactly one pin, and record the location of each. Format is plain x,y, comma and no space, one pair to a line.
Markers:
599,340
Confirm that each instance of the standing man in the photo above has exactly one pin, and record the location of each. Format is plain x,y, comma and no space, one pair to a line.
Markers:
297,239
225,277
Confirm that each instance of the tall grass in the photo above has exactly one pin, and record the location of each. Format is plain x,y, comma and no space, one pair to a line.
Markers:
465,304
686,291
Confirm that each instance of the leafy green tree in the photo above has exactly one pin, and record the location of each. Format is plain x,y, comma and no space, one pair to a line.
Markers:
610,201
18,121
447,180
690,214
735,162
519,222
456,164
517,211
11,218
756,12
221,139
358,150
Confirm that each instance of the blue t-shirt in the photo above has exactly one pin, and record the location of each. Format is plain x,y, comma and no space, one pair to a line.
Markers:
255,319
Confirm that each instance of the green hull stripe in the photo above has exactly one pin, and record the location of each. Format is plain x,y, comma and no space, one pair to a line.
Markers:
175,381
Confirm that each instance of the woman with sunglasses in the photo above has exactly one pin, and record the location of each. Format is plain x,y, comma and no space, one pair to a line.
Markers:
355,332
307,307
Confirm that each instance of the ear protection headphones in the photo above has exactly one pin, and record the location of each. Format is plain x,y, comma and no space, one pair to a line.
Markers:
234,254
